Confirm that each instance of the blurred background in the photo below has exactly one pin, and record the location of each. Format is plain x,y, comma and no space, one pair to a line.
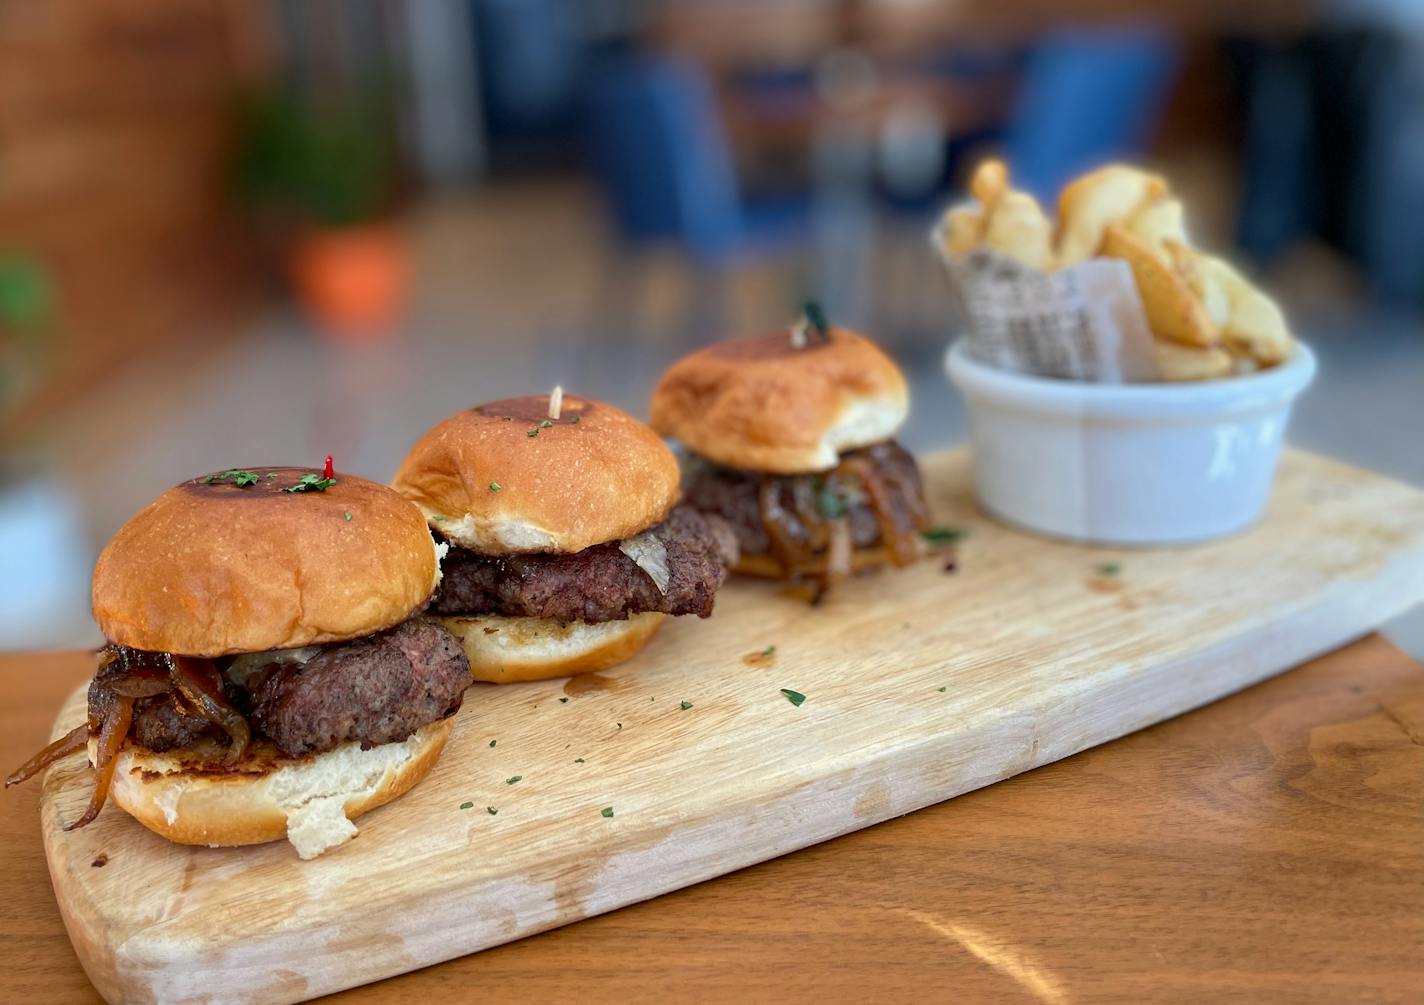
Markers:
246,232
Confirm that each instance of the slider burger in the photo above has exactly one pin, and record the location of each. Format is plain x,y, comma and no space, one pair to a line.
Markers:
567,544
265,674
791,442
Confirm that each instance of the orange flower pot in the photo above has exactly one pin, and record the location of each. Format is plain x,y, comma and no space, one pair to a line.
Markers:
353,281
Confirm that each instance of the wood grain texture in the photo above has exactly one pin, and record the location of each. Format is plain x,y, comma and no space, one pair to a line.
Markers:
1268,847
1039,657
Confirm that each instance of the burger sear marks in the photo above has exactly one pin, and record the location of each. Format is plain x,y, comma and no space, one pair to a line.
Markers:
771,346
598,584
877,490
254,482
533,409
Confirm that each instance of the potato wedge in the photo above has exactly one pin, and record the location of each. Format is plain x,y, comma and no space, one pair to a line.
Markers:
1191,265
990,182
1255,326
1173,311
1186,362
963,229
1017,227
1159,221
1090,203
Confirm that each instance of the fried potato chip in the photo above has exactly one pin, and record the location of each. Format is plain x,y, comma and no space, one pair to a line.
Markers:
1255,326
1018,228
963,229
1190,264
1186,362
990,182
1159,221
1089,204
1173,311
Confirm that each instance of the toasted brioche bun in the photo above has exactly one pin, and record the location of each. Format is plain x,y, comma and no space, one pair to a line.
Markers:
211,569
505,650
266,797
766,567
595,475
764,405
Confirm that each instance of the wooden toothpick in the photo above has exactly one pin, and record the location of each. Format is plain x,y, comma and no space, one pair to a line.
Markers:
556,402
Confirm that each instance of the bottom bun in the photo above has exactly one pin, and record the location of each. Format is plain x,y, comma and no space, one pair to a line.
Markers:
766,567
185,796
505,650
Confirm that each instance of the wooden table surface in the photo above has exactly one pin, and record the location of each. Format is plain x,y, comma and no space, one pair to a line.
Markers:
1267,847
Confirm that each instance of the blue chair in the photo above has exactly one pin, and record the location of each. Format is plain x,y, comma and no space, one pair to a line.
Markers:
664,166
1087,97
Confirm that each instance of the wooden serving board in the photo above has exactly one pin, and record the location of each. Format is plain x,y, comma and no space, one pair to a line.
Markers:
919,685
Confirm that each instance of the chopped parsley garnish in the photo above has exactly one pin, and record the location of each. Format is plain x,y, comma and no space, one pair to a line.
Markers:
532,431
1109,569
493,742
495,486
466,806
513,778
545,423
686,705
944,535
311,483
242,479
563,701
440,518
619,725
769,651
795,697
574,421
578,760
607,811
348,516
943,690
831,503
271,475
491,810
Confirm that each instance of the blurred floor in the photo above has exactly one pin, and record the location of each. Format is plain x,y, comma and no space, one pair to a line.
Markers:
513,282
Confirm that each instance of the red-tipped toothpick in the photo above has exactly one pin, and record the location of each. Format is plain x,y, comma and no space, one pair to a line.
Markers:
328,472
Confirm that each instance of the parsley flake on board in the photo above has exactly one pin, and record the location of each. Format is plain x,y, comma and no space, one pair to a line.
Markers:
578,760
491,810
769,651
466,806
1109,569
686,705
495,486
944,535
607,811
942,690
563,701
492,743
513,778
619,725
311,483
795,697
242,479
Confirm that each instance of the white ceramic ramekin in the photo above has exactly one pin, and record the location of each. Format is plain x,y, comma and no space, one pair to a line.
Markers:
1127,464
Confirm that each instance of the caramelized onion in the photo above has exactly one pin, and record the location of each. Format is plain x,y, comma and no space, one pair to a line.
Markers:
140,682
901,542
70,743
200,684
786,547
112,730
838,551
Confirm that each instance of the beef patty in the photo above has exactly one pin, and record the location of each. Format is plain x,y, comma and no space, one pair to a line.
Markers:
597,584
802,501
374,690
